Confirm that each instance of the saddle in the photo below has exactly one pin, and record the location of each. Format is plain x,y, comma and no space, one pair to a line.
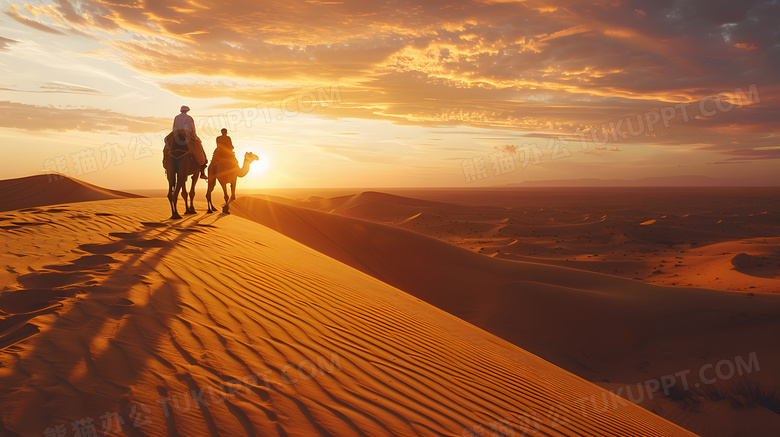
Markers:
223,159
180,138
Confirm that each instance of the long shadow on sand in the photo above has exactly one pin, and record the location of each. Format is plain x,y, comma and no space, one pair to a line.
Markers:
82,354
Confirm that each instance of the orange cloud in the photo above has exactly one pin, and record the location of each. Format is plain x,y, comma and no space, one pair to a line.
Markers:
32,23
746,46
569,68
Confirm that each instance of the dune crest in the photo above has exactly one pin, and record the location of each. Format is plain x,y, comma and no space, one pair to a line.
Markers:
51,189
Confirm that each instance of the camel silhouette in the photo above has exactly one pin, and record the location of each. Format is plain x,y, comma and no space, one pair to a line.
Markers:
224,168
179,163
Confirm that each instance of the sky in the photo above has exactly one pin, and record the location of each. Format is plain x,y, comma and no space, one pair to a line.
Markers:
361,93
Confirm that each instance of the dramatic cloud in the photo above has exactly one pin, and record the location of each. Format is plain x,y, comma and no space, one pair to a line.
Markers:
633,47
560,67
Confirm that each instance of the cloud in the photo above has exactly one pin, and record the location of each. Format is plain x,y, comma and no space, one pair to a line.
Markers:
6,43
47,118
64,87
602,48
57,87
32,23
598,122
507,148
753,154
527,67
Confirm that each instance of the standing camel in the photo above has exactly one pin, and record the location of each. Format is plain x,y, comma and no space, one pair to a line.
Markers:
224,168
179,163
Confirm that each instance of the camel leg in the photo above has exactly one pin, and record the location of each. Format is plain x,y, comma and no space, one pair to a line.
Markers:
191,206
233,191
225,192
226,209
192,193
209,189
171,185
181,181
173,197
184,194
212,182
173,190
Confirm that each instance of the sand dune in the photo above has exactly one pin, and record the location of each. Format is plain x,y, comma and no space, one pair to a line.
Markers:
215,325
51,189
479,289
665,236
370,205
601,327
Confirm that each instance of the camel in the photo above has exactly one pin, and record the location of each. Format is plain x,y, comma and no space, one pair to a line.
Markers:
225,169
179,163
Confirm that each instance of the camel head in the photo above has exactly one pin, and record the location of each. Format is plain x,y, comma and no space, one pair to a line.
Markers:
249,158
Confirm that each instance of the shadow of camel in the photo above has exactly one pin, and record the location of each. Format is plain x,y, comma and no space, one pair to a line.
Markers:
62,357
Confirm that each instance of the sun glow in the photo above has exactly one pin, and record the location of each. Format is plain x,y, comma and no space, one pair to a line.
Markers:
260,174
262,166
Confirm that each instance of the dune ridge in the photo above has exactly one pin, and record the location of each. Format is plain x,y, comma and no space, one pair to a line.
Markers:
269,336
664,236
51,189
604,328
470,285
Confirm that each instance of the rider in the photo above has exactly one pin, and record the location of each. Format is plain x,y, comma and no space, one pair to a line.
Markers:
186,125
224,143
224,151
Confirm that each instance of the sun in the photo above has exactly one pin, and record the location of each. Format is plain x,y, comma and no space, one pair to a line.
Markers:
262,166
259,170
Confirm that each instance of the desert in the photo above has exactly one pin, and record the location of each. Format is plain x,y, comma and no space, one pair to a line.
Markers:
423,218
337,316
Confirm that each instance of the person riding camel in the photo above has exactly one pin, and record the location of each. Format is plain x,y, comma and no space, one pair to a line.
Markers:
224,157
224,147
184,127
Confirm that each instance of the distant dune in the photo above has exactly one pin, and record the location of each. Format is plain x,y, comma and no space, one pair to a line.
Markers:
215,325
534,305
41,190
662,181
601,327
663,235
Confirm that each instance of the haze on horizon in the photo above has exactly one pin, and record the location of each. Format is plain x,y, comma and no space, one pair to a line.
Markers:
393,94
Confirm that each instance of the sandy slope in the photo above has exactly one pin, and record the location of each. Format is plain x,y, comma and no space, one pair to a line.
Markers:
665,236
271,337
601,327
51,189
526,302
